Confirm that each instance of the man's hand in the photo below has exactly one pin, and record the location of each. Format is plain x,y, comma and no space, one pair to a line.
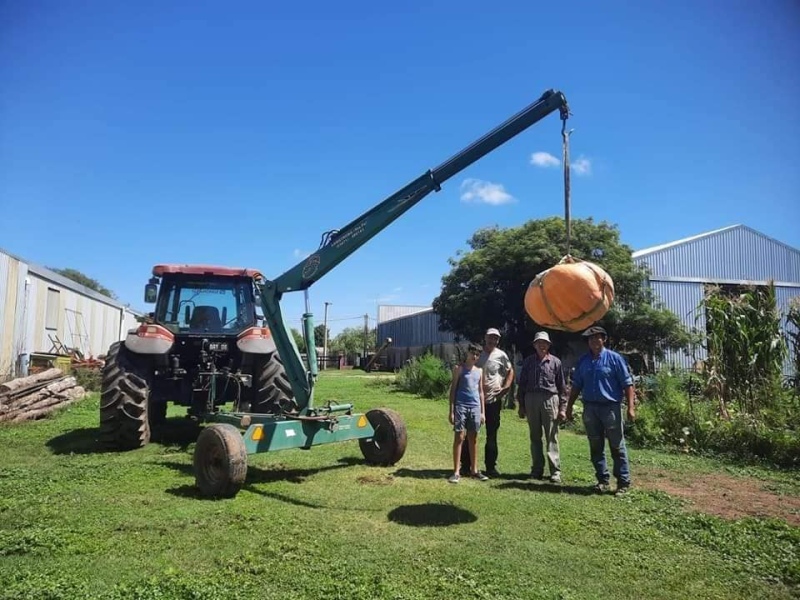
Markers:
562,416
521,410
452,418
631,413
483,419
568,413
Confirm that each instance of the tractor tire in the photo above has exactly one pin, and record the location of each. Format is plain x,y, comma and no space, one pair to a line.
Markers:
272,390
388,445
220,461
124,402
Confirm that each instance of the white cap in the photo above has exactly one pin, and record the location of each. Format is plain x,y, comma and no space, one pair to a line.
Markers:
542,335
493,331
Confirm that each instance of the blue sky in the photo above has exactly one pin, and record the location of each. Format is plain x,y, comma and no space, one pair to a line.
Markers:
134,133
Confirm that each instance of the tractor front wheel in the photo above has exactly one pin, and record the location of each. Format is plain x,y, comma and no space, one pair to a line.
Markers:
124,400
388,444
220,461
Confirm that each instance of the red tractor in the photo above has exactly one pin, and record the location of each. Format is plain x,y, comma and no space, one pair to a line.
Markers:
202,347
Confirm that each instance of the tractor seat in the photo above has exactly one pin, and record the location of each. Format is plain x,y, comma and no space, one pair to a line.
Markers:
206,317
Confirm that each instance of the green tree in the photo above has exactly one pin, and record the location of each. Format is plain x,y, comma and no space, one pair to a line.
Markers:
351,341
299,340
486,286
319,335
85,280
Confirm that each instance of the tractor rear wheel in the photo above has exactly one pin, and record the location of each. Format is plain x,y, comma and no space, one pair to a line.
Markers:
272,390
388,444
220,461
124,399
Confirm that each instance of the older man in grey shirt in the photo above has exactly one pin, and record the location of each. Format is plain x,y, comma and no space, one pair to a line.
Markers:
541,396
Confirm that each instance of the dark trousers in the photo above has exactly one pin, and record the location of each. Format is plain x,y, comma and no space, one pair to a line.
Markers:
493,410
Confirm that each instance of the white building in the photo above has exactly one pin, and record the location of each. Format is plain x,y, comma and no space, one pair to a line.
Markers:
42,312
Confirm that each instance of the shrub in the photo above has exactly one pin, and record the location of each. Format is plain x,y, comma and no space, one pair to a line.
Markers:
426,376
89,379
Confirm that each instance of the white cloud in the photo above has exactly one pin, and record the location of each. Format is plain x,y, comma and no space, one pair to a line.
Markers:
477,190
544,159
579,166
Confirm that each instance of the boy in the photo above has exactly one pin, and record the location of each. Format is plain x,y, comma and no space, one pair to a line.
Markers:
467,411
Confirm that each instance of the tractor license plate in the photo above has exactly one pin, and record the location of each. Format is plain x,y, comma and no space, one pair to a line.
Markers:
218,346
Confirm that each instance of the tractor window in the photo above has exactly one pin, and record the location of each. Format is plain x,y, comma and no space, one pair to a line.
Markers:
221,305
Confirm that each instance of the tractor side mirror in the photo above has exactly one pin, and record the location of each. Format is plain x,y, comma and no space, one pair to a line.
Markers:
150,293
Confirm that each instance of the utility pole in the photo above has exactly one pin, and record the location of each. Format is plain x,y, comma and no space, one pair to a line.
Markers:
366,333
325,337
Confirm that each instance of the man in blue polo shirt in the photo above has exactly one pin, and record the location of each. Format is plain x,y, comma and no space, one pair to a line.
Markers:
603,378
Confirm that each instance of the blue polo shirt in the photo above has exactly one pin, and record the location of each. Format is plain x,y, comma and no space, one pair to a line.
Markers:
602,379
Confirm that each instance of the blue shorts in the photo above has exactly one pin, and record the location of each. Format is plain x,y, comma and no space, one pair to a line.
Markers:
466,418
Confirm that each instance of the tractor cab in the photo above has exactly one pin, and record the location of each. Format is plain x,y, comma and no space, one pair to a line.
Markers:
203,300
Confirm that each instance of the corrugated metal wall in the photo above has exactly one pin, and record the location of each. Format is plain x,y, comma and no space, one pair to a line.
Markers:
387,312
418,329
82,318
738,253
684,300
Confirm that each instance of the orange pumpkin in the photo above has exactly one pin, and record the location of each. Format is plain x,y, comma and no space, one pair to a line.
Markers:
570,296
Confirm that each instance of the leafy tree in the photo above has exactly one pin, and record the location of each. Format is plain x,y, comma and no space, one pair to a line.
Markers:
85,280
299,340
350,341
319,335
486,287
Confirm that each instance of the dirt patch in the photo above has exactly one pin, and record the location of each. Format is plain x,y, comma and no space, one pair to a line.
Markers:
724,495
375,480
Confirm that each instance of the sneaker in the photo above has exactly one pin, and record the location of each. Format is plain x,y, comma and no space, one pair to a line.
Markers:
622,489
555,478
535,475
454,478
480,476
493,472
600,488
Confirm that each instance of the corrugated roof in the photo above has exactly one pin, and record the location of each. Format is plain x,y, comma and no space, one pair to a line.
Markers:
65,282
646,251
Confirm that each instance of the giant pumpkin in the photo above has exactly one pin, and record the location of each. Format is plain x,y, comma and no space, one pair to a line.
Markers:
570,296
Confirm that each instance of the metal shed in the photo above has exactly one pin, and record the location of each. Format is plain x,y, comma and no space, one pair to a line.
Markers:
414,331
737,255
42,312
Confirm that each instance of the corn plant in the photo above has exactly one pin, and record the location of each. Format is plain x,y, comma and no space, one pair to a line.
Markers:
793,317
745,346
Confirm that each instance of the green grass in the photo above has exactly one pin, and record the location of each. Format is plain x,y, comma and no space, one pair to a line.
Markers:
79,523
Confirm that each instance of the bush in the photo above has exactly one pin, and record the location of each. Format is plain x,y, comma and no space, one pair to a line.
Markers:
426,376
89,379
669,415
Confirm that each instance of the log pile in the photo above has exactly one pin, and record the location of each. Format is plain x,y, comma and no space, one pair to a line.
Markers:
35,396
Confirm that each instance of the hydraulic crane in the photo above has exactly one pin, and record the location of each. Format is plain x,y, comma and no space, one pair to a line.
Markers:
381,432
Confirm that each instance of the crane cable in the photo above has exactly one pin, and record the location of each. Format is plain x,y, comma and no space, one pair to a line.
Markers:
565,159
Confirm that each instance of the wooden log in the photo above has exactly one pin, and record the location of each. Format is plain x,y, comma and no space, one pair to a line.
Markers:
22,383
67,397
15,404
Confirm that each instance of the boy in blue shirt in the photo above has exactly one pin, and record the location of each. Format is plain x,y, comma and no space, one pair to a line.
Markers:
603,378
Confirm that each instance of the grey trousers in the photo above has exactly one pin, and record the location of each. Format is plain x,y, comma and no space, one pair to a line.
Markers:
541,410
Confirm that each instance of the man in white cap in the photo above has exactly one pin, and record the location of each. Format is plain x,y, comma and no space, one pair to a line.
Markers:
498,373
542,396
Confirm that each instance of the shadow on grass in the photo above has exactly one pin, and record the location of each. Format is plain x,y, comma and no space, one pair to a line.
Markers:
548,488
77,441
256,475
445,473
431,515
176,431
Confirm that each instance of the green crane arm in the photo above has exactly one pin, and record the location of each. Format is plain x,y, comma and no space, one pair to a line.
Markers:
339,244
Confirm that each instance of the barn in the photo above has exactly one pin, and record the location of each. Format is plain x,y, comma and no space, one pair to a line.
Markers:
679,272
43,314
732,256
